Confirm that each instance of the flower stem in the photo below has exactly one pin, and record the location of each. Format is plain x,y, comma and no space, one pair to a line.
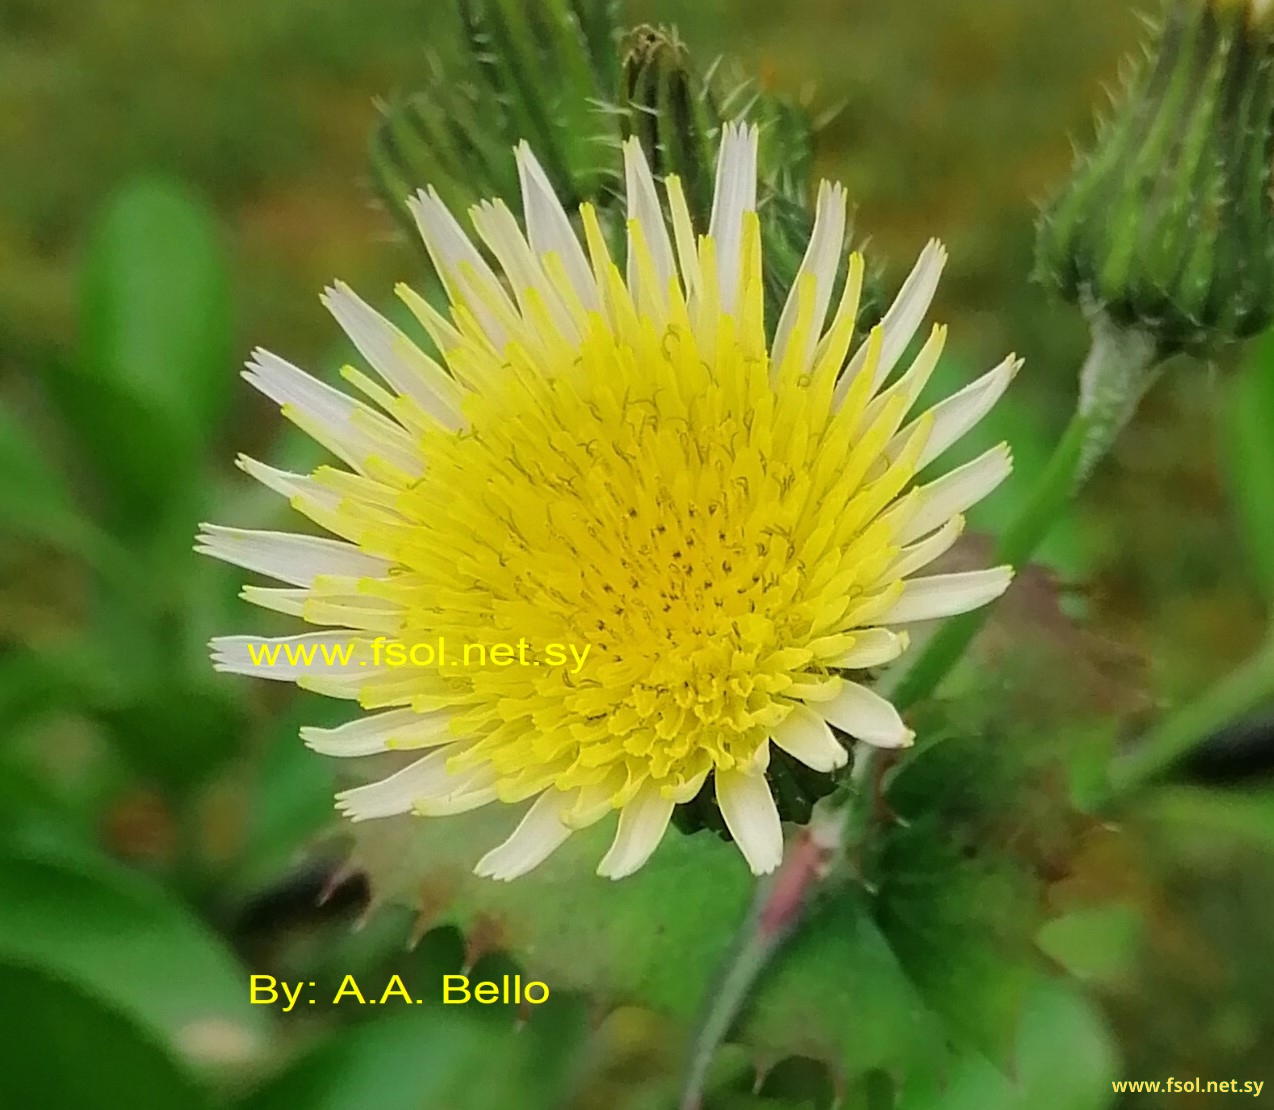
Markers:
1121,365
1016,545
776,910
1240,692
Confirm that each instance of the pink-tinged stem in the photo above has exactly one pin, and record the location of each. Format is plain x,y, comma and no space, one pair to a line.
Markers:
779,905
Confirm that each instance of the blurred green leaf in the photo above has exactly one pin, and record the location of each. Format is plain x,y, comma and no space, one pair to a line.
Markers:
1198,816
29,682
659,938
1064,1060
960,928
59,780
421,1059
114,934
179,731
970,1084
64,1048
31,811
877,1090
35,503
800,1081
1089,756
153,374
1248,438
1099,944
292,789
738,1100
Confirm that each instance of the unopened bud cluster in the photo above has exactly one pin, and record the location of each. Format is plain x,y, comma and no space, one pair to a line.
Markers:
1167,226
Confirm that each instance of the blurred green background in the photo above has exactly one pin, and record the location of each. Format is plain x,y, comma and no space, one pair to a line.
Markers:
181,181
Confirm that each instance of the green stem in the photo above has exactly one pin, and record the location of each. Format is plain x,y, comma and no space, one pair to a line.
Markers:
1121,365
779,906
750,955
1015,547
1236,695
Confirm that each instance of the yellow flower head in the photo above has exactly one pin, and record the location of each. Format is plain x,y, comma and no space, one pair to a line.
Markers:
618,461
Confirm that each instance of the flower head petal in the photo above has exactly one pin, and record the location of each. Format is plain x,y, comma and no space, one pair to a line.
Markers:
642,823
734,196
752,818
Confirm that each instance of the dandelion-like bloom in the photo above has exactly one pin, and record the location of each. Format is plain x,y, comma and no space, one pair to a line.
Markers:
621,462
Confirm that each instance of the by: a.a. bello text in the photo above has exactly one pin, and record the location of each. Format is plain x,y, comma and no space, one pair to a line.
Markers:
266,990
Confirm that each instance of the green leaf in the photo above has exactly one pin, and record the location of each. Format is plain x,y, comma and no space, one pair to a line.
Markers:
800,1081
961,929
1197,818
65,1048
29,684
1090,752
59,777
179,731
959,905
737,1100
418,1059
29,809
1064,1059
659,938
1248,438
153,374
35,502
1098,945
114,934
292,790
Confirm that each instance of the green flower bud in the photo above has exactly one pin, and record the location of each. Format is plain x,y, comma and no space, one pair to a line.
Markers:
677,116
539,70
1167,226
670,113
